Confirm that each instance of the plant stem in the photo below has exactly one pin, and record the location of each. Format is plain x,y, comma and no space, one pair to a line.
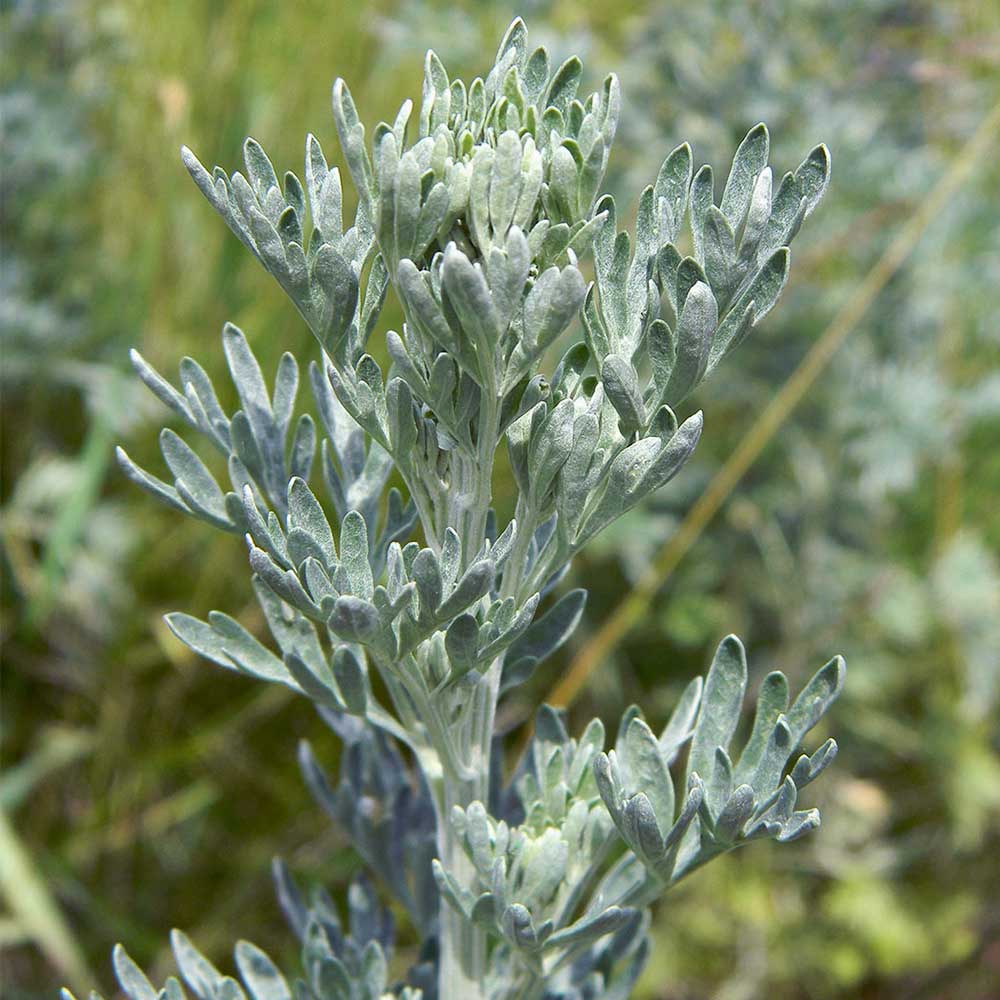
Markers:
462,966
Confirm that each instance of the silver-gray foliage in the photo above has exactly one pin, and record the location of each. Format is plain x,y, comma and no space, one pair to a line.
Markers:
478,214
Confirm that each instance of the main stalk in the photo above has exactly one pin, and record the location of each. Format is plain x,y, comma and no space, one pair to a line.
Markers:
463,945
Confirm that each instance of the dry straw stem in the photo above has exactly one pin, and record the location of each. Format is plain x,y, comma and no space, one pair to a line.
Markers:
35,910
634,606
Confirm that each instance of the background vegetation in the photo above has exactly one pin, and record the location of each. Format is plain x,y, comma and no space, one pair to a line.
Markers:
143,790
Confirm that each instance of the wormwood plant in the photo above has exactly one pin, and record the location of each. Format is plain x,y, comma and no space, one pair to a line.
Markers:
537,887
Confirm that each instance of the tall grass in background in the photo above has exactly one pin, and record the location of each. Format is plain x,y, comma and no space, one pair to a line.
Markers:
872,519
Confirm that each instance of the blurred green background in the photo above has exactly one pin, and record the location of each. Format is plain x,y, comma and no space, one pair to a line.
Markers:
142,789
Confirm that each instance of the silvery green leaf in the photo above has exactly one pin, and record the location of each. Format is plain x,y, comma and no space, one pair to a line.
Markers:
225,642
719,784
517,671
563,86
734,814
459,899
671,193
518,625
374,298
354,619
689,273
621,384
757,299
462,642
436,98
479,204
772,761
702,199
779,807
249,382
451,556
159,489
672,455
640,829
757,216
325,193
160,387
505,183
813,175
402,426
475,582
351,680
640,269
422,307
259,169
501,546
469,296
354,562
788,209
612,254
680,727
548,450
808,769
663,423
695,330
266,534
285,583
286,384
517,927
691,808
798,825
390,174
334,289
519,435
303,448
317,686
590,177
720,705
260,974
749,161
636,471
544,636
305,512
194,484
568,376
584,234
546,867
201,976
430,587
552,303
668,261
577,473
662,349
590,928
548,242
772,701
595,329
646,771
536,75
352,139
203,403
218,194
508,273
609,783
720,254
815,698
374,971
131,978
